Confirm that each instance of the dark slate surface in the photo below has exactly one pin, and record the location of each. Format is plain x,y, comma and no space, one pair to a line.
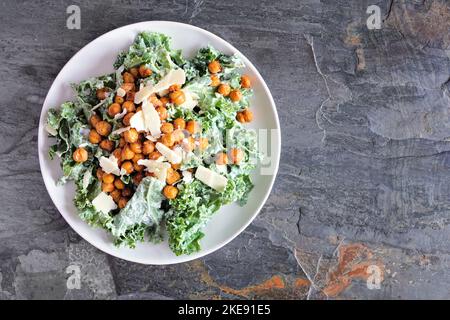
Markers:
365,168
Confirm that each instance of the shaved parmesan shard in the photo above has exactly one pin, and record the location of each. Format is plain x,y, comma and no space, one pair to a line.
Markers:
104,203
120,115
109,165
170,155
119,131
187,176
137,121
152,122
190,100
157,167
211,178
121,92
172,77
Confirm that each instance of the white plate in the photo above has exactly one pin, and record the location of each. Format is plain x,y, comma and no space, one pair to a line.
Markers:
96,59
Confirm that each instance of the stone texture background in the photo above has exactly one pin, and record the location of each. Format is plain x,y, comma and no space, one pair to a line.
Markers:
365,168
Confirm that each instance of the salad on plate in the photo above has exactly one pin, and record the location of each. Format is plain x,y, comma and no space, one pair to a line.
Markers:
159,145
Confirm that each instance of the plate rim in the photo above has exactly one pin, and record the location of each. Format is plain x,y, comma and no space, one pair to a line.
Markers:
202,253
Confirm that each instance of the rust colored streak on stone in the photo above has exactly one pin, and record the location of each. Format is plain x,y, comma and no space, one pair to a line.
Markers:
276,282
300,282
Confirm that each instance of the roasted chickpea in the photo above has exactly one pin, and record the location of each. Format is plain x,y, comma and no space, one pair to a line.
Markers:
162,113
148,147
126,119
179,123
240,117
214,66
137,157
192,126
172,176
144,71
138,178
94,137
107,145
245,81
114,109
127,166
94,120
122,142
155,155
130,96
119,184
164,101
116,194
80,155
188,144
119,100
203,143
118,155
127,192
221,158
107,187
134,72
131,135
127,154
128,87
137,167
136,147
102,93
122,202
236,155
167,127
103,128
178,135
215,80
129,105
174,87
155,101
138,109
128,77
224,89
168,140
248,115
99,173
176,166
108,178
235,95
170,192
177,97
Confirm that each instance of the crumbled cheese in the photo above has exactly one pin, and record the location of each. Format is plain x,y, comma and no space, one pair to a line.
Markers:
169,154
119,131
104,203
152,122
187,176
109,165
121,92
211,178
137,121
120,115
177,76
157,167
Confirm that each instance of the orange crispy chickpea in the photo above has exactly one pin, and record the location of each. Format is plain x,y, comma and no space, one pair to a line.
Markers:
144,71
137,167
167,127
102,93
170,192
172,176
137,157
128,167
178,135
126,119
127,154
119,100
235,95
138,178
122,142
127,192
103,128
177,97
94,137
107,145
129,105
116,194
119,184
245,81
155,101
174,87
136,147
236,155
107,187
162,112
122,202
248,115
131,135
214,66
221,158
240,117
80,155
164,101
128,87
108,178
148,147
118,154
192,126
99,173
134,72
130,96
215,80
179,123
128,77
94,120
155,155
168,140
224,89
176,166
